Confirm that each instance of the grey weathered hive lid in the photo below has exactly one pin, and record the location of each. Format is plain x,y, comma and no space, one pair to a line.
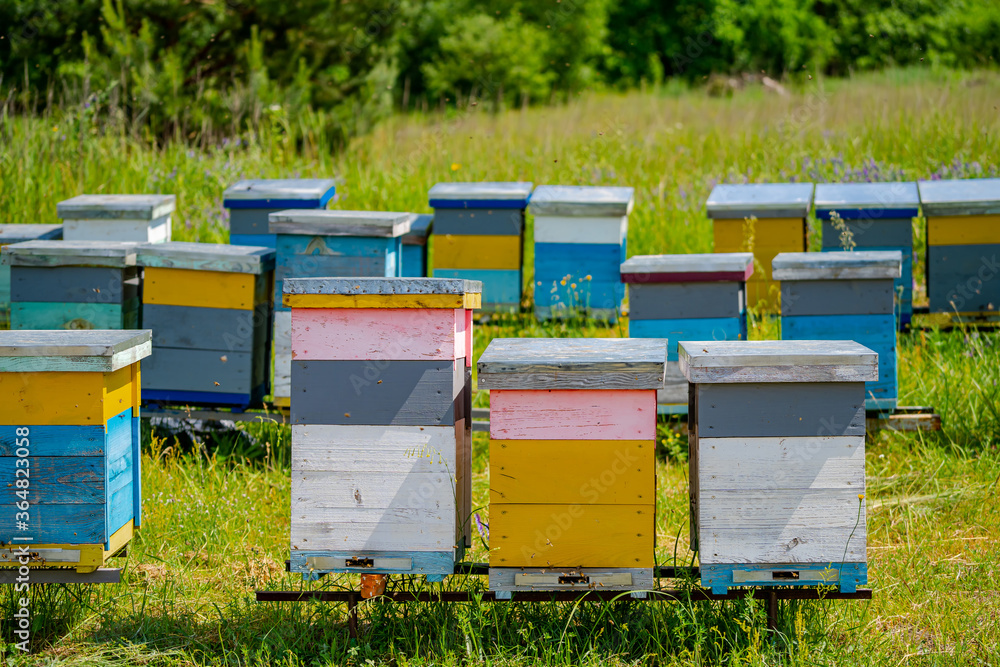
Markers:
279,192
116,207
113,254
707,267
971,196
323,222
480,195
384,286
869,201
573,363
97,351
29,232
206,257
859,265
582,201
776,361
763,200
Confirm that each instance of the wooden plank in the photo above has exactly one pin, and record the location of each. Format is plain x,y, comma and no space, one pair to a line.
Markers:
258,240
857,265
675,387
185,327
581,200
403,393
281,384
111,350
366,529
104,575
570,579
32,315
113,254
68,284
784,200
926,420
777,361
198,370
480,194
554,535
179,287
383,287
389,449
420,229
963,230
804,409
46,440
216,257
314,491
667,301
434,563
64,524
781,526
967,196
786,234
501,287
448,301
871,234
573,415
476,221
117,207
963,278
820,462
251,222
305,192
413,260
573,363
873,199
691,268
676,330
325,222
837,297
361,334
580,229
605,472
133,231
477,252
20,232
55,480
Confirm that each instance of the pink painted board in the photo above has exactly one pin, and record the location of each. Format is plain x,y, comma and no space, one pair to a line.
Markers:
573,414
468,338
402,334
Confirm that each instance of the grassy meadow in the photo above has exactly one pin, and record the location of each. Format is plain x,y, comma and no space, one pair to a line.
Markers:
216,515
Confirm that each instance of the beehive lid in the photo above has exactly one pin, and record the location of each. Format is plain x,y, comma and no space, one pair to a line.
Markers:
869,201
420,229
480,195
382,293
709,267
573,363
855,265
116,207
777,361
320,222
763,200
32,232
114,254
973,196
582,201
85,351
206,257
279,193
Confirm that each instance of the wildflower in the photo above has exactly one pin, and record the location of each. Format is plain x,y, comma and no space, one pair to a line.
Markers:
455,166
861,496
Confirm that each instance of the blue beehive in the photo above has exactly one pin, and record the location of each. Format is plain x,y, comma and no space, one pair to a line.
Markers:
414,258
250,202
16,234
879,216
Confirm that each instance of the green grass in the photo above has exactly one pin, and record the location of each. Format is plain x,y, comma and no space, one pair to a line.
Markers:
216,519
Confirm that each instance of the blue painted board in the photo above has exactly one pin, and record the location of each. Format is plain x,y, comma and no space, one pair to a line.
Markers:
56,440
119,511
136,470
847,577
63,524
55,480
500,286
431,563
280,203
265,240
963,278
709,328
572,264
414,261
203,397
40,315
303,256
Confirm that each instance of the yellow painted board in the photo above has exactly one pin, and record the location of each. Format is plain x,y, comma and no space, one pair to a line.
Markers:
66,398
199,289
606,472
282,401
477,252
786,233
91,557
383,300
767,292
964,230
574,535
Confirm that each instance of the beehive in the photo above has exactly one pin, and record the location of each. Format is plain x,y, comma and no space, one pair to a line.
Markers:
580,243
250,202
73,285
72,413
963,239
320,244
878,216
381,430
572,473
777,461
414,257
18,234
686,297
136,218
209,308
764,218
479,235
844,296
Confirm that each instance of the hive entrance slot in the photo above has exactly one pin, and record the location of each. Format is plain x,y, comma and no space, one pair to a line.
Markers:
361,562
573,579
785,576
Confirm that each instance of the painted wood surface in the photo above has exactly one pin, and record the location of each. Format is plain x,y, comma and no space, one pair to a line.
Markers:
676,330
261,240
58,480
779,200
857,265
481,194
606,472
390,449
20,232
180,287
570,579
382,287
846,577
963,278
871,234
69,441
215,257
675,389
573,414
136,231
572,363
97,397
554,535
251,222
691,268
685,300
367,529
580,229
116,207
970,196
32,315
413,260
581,200
875,200
115,254
964,230
71,284
67,524
477,221
477,252
349,256
324,222
782,463
420,230
449,301
198,370
404,393
305,192
281,382
777,361
787,234
802,409
501,287
429,563
184,327
361,334
111,350
582,276
837,297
